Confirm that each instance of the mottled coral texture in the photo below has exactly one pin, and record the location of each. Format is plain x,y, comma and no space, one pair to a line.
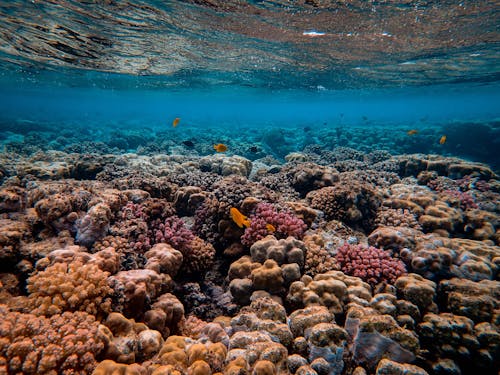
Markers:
355,203
369,263
116,270
62,344
69,287
284,223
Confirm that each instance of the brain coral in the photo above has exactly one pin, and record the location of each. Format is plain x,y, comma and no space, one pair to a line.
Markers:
65,344
69,287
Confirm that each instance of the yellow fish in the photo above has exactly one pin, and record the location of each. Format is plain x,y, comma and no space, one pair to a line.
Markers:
442,140
220,147
240,219
176,121
412,132
270,228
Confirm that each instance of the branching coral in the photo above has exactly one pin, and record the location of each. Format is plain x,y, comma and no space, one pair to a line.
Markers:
369,263
267,219
65,344
69,287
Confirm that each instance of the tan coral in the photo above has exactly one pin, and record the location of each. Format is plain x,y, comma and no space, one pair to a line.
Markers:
481,225
318,258
332,289
290,250
440,216
12,198
226,165
187,199
268,277
478,301
128,341
242,268
165,314
436,256
200,256
173,353
164,258
302,319
107,259
388,367
307,214
417,290
67,343
251,322
355,204
310,176
199,368
109,367
137,288
11,234
70,287
237,366
448,336
393,238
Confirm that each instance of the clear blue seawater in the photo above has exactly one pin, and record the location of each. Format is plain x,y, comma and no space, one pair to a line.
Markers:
314,66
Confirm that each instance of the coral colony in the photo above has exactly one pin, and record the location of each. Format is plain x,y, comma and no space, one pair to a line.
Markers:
344,263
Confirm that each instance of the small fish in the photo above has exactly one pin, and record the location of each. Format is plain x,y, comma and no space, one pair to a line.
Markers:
220,147
307,129
254,149
240,219
412,132
188,144
442,140
270,228
176,121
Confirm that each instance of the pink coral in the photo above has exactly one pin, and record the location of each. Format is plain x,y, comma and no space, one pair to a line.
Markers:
464,200
283,222
369,263
173,232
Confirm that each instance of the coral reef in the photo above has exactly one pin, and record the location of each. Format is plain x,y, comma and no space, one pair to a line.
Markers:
67,344
369,263
352,262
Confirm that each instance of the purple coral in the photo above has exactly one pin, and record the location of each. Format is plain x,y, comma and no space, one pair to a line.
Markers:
369,263
94,225
465,200
283,224
133,211
173,232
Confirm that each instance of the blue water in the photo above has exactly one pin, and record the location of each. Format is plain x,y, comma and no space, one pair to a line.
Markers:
224,66
251,107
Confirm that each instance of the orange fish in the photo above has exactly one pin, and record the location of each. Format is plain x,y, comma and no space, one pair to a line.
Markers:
220,147
270,228
176,121
240,219
412,132
442,140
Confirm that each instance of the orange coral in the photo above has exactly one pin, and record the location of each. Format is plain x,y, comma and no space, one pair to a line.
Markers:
62,344
109,367
69,287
